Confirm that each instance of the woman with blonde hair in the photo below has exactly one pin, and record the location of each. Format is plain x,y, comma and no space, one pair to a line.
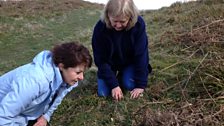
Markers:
120,48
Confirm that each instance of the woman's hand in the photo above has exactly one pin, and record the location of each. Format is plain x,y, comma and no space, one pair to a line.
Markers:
117,93
41,121
135,93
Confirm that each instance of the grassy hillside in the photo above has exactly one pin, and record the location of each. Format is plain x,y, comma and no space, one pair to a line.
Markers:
28,27
186,52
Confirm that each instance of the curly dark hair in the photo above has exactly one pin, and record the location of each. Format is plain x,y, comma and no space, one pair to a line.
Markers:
71,54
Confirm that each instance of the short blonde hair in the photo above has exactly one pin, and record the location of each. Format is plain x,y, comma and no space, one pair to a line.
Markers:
120,7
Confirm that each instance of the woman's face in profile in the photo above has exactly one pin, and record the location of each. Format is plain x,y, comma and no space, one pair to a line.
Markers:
72,74
119,22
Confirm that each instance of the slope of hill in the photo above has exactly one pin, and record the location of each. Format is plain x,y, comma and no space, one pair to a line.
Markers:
186,52
187,43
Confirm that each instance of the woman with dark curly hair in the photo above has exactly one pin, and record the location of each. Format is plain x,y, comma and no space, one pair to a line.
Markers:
31,93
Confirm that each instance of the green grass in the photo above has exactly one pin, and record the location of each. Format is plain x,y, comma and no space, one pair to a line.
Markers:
23,37
183,70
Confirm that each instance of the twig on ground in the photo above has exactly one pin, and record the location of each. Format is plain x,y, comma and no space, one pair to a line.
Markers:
195,70
184,60
212,115
171,66
213,77
216,21
207,91
172,86
217,98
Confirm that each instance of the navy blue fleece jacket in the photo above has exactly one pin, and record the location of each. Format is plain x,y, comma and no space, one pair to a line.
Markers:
113,50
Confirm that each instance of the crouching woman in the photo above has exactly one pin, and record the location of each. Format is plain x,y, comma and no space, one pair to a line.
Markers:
31,93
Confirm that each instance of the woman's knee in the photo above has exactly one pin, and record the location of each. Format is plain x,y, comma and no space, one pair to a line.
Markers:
128,83
127,78
103,89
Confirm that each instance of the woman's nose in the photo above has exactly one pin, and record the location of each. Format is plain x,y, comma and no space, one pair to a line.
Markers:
81,76
118,24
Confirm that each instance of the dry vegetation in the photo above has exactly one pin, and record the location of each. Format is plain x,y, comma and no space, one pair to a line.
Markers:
201,90
42,7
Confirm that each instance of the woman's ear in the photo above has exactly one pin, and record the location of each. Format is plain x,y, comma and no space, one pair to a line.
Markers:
61,66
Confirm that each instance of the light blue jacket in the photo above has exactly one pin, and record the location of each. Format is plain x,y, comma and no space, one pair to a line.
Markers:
27,92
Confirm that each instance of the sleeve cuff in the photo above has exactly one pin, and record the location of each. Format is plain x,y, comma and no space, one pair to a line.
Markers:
141,86
47,117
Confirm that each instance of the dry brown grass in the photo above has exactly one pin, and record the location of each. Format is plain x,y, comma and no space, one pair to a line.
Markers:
42,7
184,114
201,90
